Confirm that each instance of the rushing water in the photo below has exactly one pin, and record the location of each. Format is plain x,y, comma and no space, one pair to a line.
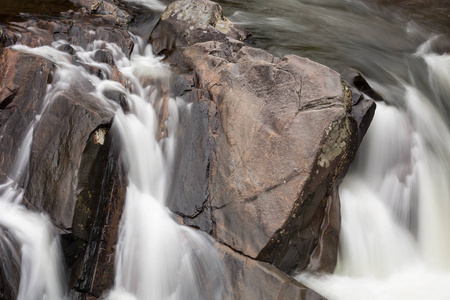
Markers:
41,273
395,236
156,257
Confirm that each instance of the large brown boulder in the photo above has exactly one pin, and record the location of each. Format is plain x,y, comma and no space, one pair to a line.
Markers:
267,145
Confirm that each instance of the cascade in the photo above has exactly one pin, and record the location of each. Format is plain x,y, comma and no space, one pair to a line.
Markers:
394,241
395,201
156,258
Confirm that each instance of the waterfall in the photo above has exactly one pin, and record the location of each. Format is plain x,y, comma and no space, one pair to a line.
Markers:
395,201
40,261
156,257
395,235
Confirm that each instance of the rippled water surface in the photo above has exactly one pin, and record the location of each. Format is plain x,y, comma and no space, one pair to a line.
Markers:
372,36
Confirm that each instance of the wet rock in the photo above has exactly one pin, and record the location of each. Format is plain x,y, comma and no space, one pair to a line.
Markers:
245,274
67,48
194,189
5,39
117,97
94,273
188,22
270,140
107,8
19,105
357,81
72,247
78,32
56,179
83,33
75,175
90,207
104,56
10,266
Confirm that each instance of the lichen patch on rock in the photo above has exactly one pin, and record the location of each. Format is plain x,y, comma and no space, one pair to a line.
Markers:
99,136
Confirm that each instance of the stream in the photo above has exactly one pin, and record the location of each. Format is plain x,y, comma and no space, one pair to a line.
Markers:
395,200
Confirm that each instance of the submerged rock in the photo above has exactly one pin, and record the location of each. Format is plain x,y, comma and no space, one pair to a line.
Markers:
269,142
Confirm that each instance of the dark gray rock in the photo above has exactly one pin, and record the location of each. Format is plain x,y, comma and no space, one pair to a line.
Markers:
357,81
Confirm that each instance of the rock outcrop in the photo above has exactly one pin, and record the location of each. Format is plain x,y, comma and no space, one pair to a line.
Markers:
21,94
270,140
74,174
261,156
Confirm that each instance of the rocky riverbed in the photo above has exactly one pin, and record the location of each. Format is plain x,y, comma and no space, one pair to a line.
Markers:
260,158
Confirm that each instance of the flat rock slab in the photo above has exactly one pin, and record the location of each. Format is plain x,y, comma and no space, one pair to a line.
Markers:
244,274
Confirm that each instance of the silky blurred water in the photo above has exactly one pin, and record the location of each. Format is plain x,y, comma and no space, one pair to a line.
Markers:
156,257
395,236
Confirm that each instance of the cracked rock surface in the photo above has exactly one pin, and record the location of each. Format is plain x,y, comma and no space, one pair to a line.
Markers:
261,152
267,144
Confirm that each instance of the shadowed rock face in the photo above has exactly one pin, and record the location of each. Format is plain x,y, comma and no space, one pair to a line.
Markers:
280,135
21,94
10,262
75,175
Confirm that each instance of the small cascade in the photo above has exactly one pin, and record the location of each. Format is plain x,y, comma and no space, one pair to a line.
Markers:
31,238
156,257
151,4
395,234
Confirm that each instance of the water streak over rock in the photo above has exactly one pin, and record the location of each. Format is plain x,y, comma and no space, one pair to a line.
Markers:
263,147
